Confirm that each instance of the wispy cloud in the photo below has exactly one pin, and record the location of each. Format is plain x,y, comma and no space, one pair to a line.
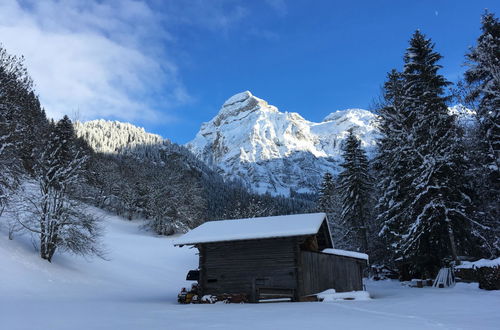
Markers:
102,59
115,59
263,34
279,6
215,15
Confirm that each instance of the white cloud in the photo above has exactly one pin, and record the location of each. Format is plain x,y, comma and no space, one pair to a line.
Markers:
100,59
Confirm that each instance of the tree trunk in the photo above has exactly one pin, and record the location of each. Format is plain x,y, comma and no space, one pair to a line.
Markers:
364,239
44,248
363,232
453,246
47,248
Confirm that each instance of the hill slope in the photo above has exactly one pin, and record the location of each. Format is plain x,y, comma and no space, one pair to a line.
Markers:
137,287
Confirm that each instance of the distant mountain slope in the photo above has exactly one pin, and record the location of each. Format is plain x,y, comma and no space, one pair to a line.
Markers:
133,146
276,152
125,139
116,137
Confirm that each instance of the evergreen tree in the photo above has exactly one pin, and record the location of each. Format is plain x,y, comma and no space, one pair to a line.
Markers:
355,186
327,195
427,209
392,163
483,79
483,92
329,202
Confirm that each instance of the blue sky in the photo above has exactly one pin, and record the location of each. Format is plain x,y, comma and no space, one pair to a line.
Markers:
169,65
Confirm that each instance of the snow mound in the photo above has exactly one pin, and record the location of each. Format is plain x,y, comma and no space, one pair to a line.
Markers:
331,295
480,263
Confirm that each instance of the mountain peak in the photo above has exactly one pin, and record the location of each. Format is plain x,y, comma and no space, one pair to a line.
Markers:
240,105
240,97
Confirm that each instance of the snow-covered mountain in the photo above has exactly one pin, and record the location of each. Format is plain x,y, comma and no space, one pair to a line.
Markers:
276,152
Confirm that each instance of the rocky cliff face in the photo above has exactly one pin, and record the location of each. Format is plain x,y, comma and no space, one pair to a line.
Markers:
276,152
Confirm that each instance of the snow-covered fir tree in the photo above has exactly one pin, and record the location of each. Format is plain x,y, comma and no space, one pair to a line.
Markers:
426,206
327,195
355,185
391,165
329,201
483,78
483,92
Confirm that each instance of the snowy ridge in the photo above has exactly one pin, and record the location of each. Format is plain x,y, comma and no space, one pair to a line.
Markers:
115,137
276,152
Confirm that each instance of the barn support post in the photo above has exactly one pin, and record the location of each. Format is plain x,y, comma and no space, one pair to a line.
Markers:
202,280
298,271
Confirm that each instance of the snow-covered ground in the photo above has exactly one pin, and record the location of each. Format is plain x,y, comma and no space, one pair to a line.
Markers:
137,289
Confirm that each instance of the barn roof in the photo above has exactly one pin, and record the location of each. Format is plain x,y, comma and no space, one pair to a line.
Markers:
254,228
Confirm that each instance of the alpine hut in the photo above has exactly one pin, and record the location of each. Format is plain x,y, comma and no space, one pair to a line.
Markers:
290,256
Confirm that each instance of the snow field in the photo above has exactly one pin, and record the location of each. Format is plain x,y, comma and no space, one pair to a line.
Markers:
136,288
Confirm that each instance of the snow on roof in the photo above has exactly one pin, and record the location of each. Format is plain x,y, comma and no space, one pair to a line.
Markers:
345,253
253,228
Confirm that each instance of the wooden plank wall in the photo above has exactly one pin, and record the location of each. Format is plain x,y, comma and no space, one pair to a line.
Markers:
321,271
243,266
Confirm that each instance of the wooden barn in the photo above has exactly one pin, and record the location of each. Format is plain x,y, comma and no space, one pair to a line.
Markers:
273,257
